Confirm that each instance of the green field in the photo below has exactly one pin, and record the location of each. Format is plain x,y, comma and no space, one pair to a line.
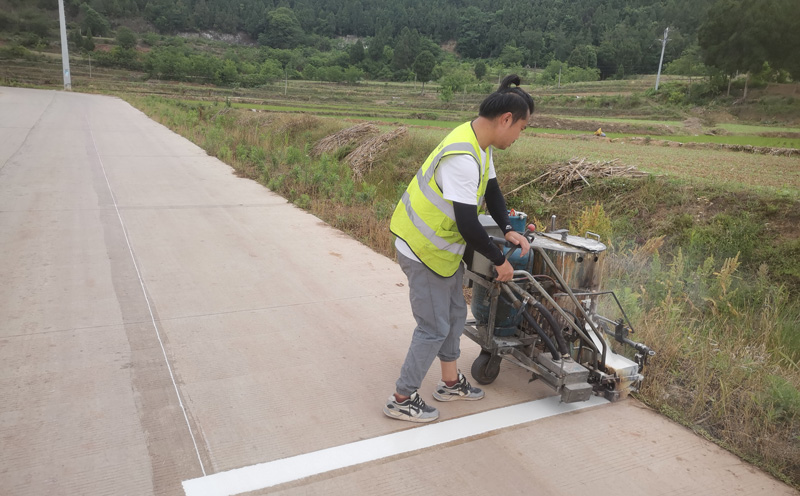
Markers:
403,103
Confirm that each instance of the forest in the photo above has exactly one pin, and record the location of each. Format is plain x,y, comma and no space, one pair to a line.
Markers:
402,40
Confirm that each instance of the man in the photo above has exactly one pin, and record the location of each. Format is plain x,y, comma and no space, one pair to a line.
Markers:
434,221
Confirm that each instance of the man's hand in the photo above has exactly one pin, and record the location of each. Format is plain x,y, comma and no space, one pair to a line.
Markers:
519,240
504,272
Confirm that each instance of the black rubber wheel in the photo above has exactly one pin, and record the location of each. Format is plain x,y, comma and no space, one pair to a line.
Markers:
486,368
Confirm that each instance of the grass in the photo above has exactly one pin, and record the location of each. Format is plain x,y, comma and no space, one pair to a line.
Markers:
732,128
736,171
768,142
451,119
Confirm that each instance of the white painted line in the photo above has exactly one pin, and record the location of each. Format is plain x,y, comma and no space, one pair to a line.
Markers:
269,474
146,298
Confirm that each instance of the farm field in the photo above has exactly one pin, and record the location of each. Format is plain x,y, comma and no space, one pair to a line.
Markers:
730,170
405,103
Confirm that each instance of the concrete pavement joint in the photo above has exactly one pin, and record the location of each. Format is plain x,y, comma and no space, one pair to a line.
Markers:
147,300
275,307
71,329
196,316
269,474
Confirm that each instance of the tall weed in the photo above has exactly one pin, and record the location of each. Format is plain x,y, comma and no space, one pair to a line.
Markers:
725,364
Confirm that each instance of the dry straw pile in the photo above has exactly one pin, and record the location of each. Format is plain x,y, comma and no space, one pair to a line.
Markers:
363,157
345,137
575,174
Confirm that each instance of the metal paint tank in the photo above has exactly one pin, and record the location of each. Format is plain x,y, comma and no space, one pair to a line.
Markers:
580,262
578,259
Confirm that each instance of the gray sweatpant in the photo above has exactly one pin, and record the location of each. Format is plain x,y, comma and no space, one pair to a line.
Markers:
440,311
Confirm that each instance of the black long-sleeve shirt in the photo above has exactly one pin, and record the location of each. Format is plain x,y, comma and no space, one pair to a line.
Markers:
471,229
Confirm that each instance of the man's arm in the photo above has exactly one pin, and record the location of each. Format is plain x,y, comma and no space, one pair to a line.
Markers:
496,205
474,234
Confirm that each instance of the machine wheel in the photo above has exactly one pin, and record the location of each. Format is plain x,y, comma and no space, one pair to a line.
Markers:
486,368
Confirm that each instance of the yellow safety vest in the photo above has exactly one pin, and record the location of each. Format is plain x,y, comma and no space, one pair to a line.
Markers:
424,219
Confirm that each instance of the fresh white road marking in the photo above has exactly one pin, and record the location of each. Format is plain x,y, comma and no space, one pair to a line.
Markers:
264,475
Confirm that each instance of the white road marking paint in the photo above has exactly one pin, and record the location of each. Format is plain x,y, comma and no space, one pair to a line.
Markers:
146,299
265,475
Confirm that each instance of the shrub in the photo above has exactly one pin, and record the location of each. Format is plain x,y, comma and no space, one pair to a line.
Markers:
126,38
13,52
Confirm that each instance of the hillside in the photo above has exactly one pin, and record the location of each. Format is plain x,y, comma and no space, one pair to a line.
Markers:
619,34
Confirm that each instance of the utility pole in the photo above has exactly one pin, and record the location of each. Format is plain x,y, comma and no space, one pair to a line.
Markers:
559,75
663,46
64,48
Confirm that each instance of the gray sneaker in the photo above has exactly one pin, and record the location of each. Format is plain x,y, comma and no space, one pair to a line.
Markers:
461,390
413,409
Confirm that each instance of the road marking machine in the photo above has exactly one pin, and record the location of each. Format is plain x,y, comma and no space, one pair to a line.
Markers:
545,319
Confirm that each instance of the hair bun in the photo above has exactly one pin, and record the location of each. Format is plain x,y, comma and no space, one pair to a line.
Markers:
508,81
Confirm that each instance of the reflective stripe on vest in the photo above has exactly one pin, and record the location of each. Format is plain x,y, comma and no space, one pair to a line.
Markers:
442,244
424,180
424,219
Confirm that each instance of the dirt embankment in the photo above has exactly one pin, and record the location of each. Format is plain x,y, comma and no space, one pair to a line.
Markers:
692,126
550,122
635,140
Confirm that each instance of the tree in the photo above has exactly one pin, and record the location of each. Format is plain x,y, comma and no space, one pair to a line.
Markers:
377,44
532,42
511,55
423,67
405,49
480,69
784,40
88,41
353,74
283,29
126,38
227,74
741,35
168,15
456,79
583,56
272,70
472,30
356,52
76,39
688,64
731,41
94,20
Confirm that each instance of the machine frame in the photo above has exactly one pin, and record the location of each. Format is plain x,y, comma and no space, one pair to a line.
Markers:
585,370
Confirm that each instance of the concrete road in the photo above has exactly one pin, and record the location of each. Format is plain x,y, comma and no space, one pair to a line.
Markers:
169,328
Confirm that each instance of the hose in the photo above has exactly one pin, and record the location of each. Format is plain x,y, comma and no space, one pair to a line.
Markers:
547,341
516,303
557,332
